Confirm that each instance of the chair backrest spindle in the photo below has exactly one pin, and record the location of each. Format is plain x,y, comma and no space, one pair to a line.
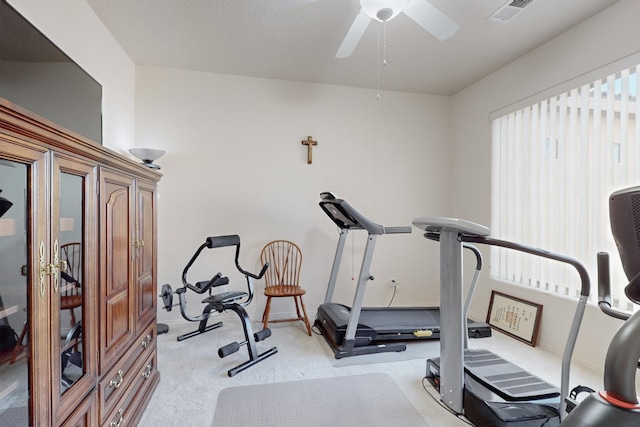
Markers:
285,259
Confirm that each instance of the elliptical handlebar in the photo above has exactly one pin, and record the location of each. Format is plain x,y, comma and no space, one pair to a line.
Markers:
604,289
622,358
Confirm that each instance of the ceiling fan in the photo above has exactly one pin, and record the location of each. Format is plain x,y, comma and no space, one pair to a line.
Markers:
421,11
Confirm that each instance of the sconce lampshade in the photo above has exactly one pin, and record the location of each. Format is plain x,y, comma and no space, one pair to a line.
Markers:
4,205
148,156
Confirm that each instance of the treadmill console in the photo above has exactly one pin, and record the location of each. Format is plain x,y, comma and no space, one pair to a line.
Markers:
437,224
345,216
338,215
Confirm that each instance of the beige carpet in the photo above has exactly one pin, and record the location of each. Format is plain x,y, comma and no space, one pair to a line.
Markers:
13,417
347,401
194,377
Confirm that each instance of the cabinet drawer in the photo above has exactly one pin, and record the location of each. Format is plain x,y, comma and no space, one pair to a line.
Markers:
127,411
116,382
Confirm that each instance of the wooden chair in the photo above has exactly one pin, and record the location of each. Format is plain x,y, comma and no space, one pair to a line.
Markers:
71,289
282,278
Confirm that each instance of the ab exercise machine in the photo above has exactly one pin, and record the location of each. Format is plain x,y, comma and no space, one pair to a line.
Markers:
218,303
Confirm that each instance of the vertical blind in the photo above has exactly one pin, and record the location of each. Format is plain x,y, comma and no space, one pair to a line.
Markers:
555,163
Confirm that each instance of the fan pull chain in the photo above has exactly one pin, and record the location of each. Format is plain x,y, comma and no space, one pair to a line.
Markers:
384,53
384,43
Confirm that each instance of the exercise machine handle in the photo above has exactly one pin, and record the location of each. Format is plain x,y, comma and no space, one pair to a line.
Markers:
189,264
258,276
220,242
604,288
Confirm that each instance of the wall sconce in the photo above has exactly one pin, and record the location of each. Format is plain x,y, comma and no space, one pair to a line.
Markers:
147,155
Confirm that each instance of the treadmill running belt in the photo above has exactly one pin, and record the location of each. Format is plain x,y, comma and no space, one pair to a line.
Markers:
389,324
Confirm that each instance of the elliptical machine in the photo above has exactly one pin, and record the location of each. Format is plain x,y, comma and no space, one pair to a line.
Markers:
618,404
218,303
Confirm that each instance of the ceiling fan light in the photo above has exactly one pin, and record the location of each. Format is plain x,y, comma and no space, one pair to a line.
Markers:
383,10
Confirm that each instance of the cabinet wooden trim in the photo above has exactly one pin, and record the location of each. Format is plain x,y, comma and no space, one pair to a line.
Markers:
84,415
64,163
146,255
17,121
117,228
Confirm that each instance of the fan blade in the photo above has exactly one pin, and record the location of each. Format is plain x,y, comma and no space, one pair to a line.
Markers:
354,35
431,19
281,4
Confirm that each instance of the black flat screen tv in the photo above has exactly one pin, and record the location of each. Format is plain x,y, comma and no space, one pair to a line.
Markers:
36,75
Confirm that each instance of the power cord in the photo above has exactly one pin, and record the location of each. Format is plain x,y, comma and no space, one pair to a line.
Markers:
439,402
395,287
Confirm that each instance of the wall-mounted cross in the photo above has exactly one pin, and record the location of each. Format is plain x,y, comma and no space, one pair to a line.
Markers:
309,142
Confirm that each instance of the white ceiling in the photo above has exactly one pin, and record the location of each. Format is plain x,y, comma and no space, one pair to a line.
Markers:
248,38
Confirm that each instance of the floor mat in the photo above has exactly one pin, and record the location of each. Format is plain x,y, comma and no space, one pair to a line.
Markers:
348,401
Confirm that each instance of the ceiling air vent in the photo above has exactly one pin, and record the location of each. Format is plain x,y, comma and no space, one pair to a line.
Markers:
509,10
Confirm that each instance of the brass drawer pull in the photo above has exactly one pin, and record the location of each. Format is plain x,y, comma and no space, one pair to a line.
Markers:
147,340
116,382
121,416
147,371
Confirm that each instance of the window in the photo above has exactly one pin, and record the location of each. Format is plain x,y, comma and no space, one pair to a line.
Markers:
555,163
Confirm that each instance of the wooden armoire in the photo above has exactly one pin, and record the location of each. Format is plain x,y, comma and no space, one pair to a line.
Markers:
85,353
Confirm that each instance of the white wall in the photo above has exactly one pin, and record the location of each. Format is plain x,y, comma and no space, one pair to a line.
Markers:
76,29
605,43
235,165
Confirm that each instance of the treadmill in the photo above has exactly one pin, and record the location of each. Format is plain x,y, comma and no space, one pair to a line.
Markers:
357,330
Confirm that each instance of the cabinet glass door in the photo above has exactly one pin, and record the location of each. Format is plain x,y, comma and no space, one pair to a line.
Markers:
14,307
72,253
69,250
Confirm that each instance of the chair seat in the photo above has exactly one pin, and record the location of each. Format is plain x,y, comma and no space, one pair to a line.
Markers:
284,291
68,302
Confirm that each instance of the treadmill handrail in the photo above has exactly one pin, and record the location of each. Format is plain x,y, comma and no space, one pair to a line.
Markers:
582,271
397,230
